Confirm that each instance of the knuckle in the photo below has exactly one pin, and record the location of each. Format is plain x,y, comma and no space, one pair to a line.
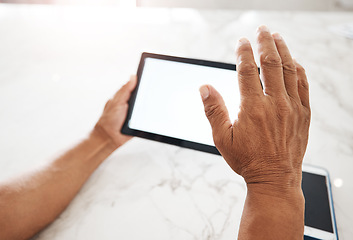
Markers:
247,69
295,108
258,115
300,68
212,111
304,84
305,118
271,60
284,108
257,111
289,68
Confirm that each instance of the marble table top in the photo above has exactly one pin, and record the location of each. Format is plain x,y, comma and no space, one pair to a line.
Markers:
59,65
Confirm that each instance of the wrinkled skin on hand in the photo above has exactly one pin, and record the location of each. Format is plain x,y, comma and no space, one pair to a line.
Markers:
266,144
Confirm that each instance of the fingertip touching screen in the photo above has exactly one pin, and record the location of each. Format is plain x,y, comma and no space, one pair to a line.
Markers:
166,105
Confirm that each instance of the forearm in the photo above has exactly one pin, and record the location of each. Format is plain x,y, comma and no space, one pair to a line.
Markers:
272,217
29,203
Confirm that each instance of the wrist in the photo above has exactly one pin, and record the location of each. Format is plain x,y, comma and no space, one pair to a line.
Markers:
272,216
274,182
102,138
292,197
282,188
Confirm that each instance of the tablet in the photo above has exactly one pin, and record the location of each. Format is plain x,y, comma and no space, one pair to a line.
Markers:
166,105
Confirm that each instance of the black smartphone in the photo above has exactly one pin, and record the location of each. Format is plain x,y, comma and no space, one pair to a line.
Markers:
320,221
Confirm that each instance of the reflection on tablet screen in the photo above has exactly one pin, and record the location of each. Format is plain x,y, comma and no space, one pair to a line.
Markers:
168,100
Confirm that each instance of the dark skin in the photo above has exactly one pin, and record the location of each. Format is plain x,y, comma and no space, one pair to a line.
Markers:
265,145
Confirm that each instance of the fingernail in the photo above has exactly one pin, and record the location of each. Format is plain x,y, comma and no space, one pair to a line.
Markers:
205,92
263,28
243,41
277,36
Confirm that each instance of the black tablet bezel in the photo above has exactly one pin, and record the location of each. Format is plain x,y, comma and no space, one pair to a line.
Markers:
161,138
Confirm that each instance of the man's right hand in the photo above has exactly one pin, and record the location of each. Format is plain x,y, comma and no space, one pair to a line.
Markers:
267,142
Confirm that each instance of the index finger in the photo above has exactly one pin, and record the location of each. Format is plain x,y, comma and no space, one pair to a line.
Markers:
248,75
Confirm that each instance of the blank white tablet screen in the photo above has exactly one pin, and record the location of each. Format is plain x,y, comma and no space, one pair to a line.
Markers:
168,101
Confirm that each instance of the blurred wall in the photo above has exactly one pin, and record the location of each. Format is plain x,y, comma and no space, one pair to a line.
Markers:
318,5
306,5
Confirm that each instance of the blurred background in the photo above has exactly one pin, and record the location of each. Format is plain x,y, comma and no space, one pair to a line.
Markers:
322,5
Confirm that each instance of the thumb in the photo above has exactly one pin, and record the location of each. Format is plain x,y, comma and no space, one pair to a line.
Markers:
216,111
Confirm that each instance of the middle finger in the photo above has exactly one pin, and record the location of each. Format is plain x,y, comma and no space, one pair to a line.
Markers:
270,63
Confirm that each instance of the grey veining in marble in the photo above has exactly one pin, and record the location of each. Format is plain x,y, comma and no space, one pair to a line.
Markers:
59,65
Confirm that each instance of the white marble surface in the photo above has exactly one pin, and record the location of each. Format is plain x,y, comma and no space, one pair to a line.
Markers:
58,66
